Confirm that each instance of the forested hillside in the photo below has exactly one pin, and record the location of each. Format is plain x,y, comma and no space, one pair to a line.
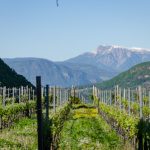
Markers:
9,78
137,75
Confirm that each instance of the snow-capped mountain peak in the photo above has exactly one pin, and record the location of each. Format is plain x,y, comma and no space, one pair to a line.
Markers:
141,50
106,49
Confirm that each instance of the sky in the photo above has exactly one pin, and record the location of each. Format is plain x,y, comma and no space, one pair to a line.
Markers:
38,28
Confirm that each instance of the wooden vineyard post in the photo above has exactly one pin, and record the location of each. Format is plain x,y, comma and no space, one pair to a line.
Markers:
74,92
39,113
120,98
19,95
8,93
105,93
115,96
42,92
60,96
129,101
117,92
47,102
98,106
33,95
13,96
93,95
102,96
100,93
65,95
124,96
141,103
4,96
106,100
29,95
58,102
54,99
22,90
110,98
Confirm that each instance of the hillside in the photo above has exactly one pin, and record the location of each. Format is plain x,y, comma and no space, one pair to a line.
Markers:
9,78
55,73
88,68
137,75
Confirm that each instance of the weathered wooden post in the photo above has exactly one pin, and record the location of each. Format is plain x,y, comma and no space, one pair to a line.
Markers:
141,102
54,99
102,96
60,100
115,93
110,98
39,113
8,92
93,94
129,102
117,88
22,90
19,95
47,102
33,95
29,94
42,92
4,96
120,98
65,95
13,95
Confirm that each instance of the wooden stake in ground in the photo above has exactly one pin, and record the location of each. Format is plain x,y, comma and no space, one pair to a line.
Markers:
141,103
39,113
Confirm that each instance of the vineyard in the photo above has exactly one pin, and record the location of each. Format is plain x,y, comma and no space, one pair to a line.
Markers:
74,119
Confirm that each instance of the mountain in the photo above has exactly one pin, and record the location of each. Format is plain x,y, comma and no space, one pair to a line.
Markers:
90,67
54,73
137,75
115,58
9,78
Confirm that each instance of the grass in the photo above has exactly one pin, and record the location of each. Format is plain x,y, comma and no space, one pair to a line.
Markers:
86,130
21,136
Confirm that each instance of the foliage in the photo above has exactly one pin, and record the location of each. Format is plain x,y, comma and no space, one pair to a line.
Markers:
57,121
123,120
10,113
75,100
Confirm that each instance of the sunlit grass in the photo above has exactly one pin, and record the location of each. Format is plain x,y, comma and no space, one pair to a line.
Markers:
82,112
21,136
85,130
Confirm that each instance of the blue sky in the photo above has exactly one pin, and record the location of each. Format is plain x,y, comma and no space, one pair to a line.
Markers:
38,28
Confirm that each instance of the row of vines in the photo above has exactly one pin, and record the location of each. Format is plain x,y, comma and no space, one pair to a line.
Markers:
127,113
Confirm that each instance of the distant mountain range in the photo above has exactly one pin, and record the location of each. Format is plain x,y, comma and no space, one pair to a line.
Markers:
52,73
91,67
9,78
137,75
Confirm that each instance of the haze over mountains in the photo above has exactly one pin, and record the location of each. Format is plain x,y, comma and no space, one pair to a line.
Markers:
91,67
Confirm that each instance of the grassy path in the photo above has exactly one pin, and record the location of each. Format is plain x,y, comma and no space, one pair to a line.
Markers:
21,136
85,130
